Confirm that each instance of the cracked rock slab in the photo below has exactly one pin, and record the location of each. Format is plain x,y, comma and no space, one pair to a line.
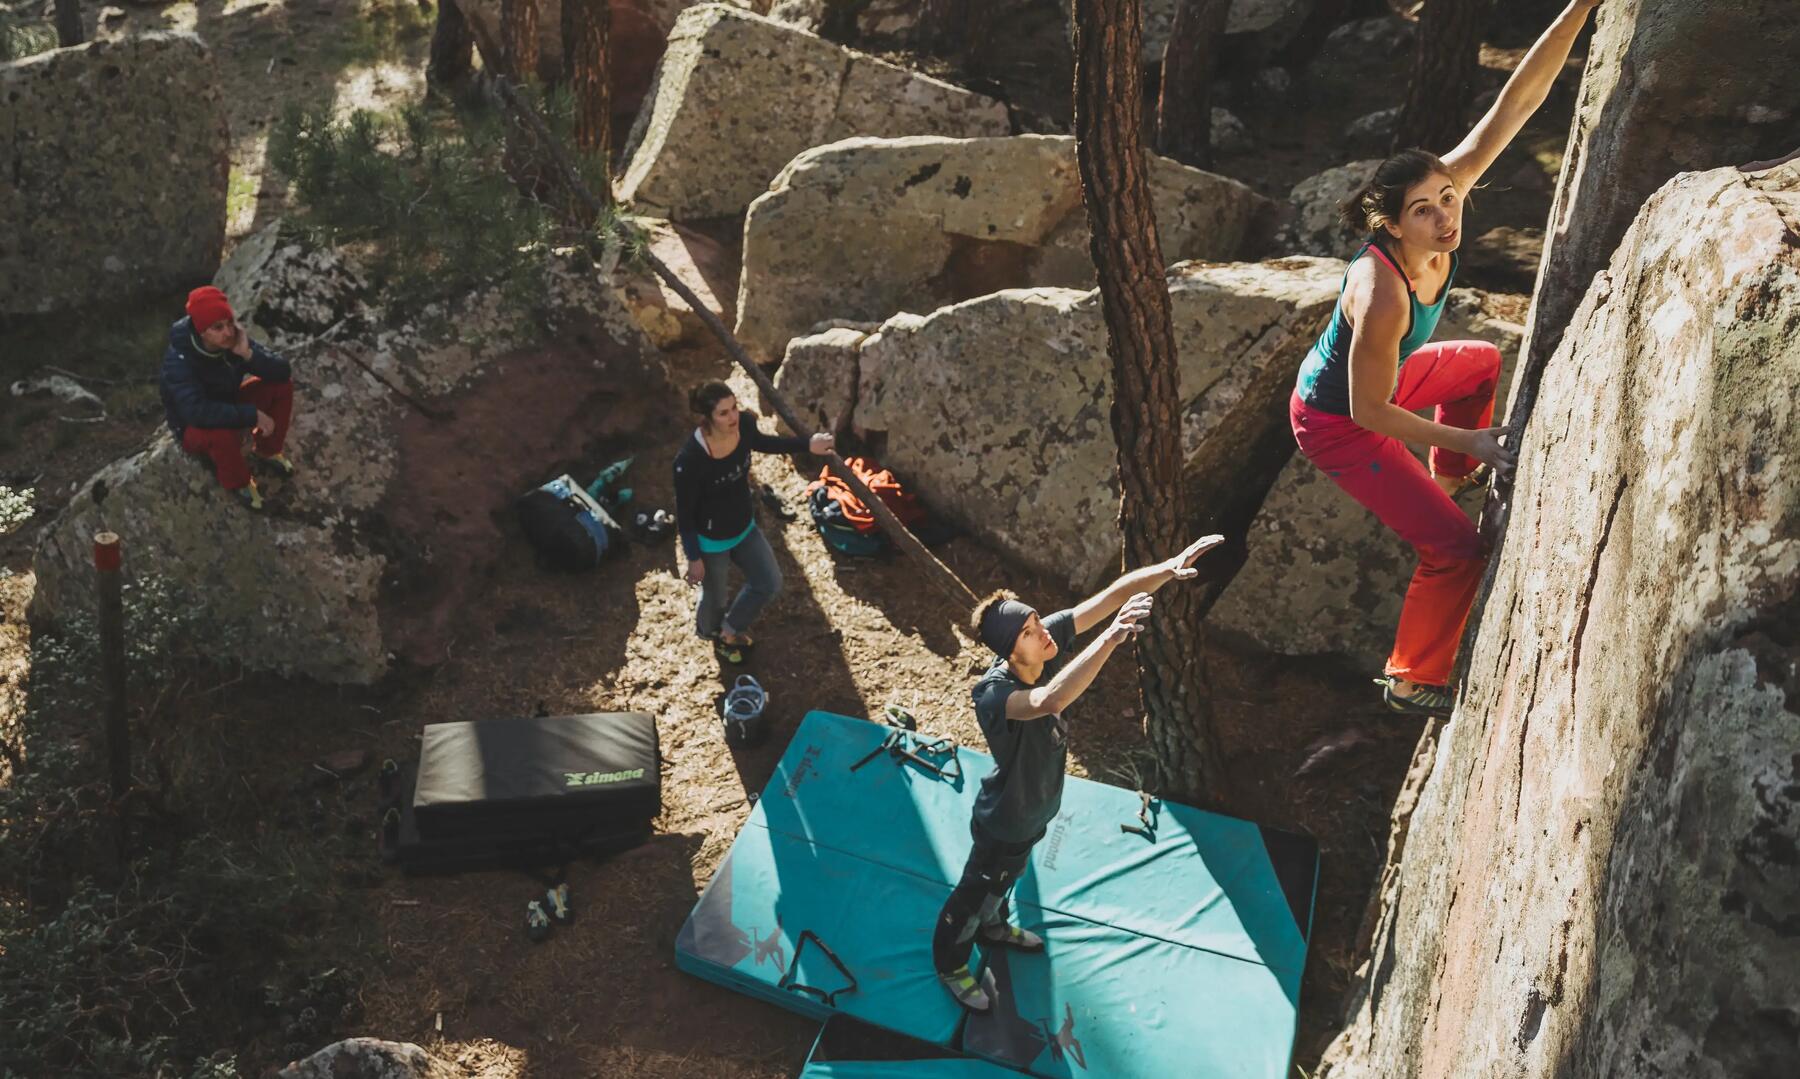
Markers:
737,96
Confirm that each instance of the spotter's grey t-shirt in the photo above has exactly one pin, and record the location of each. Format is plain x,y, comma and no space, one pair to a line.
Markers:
1023,793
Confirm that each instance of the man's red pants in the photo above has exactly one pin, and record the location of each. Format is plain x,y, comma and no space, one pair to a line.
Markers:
225,445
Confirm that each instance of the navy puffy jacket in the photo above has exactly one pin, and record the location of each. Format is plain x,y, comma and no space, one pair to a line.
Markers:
200,389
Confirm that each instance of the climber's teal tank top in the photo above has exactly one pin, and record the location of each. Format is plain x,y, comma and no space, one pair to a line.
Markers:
1324,381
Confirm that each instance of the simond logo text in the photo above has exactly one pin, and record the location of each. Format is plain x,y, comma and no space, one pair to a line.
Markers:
596,779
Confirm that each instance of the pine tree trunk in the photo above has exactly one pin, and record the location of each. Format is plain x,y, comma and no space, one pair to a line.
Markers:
519,37
1134,298
1184,107
586,26
452,49
69,30
518,49
1445,60
589,24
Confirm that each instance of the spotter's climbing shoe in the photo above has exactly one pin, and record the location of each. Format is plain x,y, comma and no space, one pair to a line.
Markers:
973,995
249,496
275,464
1008,935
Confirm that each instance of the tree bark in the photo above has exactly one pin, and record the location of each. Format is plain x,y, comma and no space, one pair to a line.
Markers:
452,49
587,25
69,29
1134,299
1184,104
519,36
1445,60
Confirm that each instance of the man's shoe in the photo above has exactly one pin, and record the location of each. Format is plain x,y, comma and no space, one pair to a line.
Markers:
977,997
249,496
275,465
1008,935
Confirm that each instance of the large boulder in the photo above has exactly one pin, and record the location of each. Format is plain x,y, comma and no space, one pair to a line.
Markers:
413,436
1627,745
1324,575
820,373
996,409
115,157
737,96
865,228
1654,102
1314,227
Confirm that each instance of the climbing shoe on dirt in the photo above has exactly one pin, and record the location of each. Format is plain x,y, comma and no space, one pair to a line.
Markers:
556,902
973,995
1008,935
276,464
537,922
1424,700
249,496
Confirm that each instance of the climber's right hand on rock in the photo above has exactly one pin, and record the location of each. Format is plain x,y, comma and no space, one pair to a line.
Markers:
1484,445
696,572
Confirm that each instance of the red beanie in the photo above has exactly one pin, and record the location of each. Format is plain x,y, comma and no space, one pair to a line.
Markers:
207,305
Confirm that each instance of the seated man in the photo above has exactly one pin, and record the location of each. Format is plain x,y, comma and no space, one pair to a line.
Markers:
216,385
1019,704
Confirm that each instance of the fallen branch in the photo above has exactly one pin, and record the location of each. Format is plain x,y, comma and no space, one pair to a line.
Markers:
96,379
941,575
324,337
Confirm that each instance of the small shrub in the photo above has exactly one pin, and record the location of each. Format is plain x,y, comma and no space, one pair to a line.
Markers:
423,197
143,969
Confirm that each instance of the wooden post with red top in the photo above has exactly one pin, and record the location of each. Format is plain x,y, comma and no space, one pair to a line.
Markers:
108,559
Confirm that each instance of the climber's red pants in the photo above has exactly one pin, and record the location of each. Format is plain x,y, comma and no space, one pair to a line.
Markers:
225,445
1458,378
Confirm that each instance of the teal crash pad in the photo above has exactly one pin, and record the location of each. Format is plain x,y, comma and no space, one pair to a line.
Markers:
849,1049
1177,952
1204,880
1099,1000
779,909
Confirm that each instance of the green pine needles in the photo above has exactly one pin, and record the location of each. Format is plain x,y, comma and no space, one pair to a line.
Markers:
424,199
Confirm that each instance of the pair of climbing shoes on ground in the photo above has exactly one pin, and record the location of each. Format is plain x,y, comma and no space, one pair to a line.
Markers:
544,914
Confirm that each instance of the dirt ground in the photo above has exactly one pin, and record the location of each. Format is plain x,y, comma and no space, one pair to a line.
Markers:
446,964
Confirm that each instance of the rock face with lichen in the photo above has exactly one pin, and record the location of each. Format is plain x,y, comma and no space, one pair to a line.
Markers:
996,410
114,159
737,96
865,228
1600,876
409,440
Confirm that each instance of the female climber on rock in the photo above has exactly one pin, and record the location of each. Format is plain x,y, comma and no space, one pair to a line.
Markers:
1353,403
713,513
